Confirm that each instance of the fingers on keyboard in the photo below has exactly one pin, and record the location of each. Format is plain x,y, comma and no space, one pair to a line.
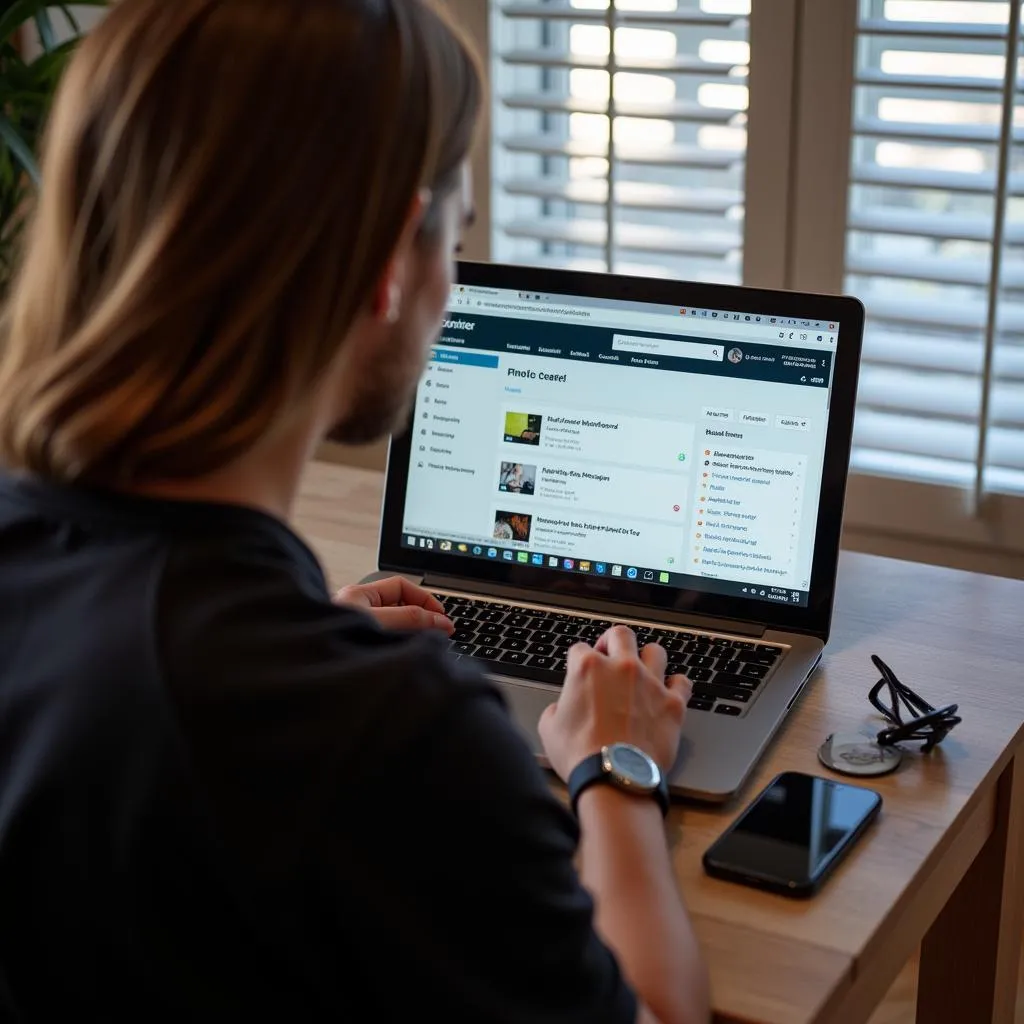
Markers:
726,673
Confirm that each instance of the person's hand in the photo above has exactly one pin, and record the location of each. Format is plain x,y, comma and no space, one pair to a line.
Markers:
397,604
615,694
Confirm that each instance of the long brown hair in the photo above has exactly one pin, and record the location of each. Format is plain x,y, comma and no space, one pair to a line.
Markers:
224,182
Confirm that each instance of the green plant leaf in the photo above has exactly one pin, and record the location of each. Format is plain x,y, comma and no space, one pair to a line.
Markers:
44,26
17,14
47,68
19,148
21,99
14,14
26,93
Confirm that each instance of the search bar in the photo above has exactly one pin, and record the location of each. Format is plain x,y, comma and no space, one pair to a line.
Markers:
667,347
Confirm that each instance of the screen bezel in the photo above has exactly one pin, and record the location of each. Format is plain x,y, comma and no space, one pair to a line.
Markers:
814,618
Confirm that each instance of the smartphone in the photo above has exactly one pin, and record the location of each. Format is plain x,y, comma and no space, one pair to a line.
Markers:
793,834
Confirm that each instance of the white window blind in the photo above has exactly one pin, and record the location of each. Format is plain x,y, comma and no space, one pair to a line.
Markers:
620,135
935,241
620,142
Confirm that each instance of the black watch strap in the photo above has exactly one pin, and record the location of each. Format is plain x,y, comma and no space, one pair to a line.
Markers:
590,771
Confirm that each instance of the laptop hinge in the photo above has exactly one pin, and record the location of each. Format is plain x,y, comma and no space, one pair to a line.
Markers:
609,609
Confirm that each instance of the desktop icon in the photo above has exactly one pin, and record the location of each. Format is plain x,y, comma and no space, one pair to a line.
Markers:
648,574
507,555
446,545
631,573
477,550
411,541
538,559
492,552
464,548
600,568
568,563
744,590
430,544
523,556
616,570
553,562
584,567
663,577
681,456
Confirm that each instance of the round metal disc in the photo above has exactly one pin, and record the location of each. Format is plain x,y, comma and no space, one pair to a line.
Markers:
853,754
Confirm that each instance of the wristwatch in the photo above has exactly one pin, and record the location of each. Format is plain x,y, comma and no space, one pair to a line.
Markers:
623,766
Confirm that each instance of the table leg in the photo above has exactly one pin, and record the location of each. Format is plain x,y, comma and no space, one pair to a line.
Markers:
970,956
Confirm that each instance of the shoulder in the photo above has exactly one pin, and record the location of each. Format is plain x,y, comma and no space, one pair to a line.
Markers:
255,624
289,706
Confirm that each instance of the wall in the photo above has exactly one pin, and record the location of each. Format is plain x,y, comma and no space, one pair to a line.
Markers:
87,16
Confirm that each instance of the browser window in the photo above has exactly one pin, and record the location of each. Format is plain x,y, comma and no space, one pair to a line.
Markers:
673,446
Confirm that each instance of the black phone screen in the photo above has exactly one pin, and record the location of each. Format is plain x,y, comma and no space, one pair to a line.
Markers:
793,833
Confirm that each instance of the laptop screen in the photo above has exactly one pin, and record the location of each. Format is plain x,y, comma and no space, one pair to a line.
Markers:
668,446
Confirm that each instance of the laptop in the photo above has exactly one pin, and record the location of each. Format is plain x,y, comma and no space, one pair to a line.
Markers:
588,449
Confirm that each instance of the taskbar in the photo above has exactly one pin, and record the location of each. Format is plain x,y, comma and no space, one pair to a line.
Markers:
604,569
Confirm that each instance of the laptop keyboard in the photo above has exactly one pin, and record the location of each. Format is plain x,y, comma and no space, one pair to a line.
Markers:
527,643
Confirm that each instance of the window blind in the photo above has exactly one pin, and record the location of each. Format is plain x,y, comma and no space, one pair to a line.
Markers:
620,135
935,241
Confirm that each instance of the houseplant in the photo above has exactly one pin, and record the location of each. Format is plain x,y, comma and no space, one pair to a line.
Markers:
36,39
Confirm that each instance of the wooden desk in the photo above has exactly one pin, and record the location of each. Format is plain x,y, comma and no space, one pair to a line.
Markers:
942,868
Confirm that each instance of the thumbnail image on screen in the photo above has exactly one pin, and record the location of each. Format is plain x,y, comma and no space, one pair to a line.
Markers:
517,478
522,428
512,526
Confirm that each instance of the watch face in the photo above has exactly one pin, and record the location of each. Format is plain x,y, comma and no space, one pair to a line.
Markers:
633,765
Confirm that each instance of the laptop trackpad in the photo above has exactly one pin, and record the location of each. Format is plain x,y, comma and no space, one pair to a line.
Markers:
527,702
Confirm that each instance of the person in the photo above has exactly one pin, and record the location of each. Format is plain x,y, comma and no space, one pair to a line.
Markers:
227,796
512,478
